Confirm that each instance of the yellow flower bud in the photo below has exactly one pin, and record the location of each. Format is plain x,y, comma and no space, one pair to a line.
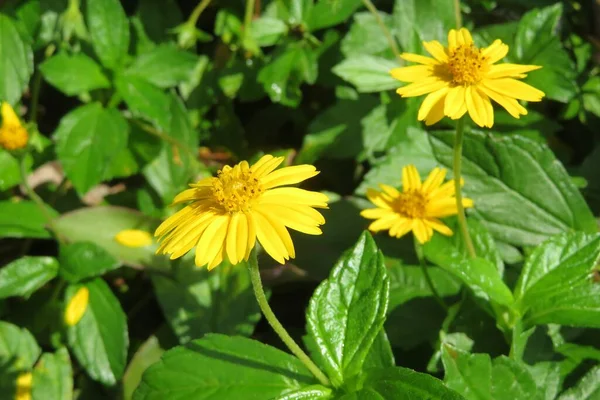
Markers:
134,238
24,381
77,306
13,135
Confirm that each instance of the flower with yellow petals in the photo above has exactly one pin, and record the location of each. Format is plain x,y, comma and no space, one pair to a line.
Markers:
133,238
416,208
13,136
463,78
77,306
228,213
23,385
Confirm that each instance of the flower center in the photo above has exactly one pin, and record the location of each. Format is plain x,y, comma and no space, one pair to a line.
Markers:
13,137
410,204
466,65
235,189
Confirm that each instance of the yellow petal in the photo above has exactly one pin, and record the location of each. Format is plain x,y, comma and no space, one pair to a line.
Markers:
23,386
293,219
464,36
419,59
511,105
513,88
430,101
212,240
436,49
509,70
133,238
439,226
375,213
412,73
401,227
288,176
9,117
293,195
390,190
477,110
435,179
269,239
232,238
265,165
376,198
489,109
383,223
283,234
495,52
410,178
77,306
251,234
422,232
420,88
436,113
452,39
455,100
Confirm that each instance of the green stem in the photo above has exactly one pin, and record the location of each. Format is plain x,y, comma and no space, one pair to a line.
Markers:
457,14
161,135
423,263
248,14
373,10
462,219
276,325
197,11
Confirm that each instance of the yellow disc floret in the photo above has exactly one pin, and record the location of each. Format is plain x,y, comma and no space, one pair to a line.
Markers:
236,188
467,65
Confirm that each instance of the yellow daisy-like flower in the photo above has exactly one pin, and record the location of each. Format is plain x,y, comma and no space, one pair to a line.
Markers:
133,238
23,385
243,203
77,306
417,208
13,135
462,77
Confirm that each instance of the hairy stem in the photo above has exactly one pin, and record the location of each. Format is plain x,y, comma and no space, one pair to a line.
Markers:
462,219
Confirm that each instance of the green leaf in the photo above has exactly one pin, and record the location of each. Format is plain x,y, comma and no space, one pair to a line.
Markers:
196,301
313,392
558,284
231,368
591,95
53,377
380,354
83,260
511,380
23,220
99,225
11,173
416,21
109,31
402,383
546,376
16,61
145,100
147,354
479,274
368,73
18,348
537,42
24,276
87,140
326,13
537,196
74,74
347,311
281,78
365,37
99,340
588,387
164,66
158,17
267,31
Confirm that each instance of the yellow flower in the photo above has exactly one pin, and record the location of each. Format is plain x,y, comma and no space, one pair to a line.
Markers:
229,212
77,306
23,386
417,208
462,77
12,134
133,238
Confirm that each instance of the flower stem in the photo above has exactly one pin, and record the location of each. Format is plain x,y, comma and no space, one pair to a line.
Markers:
248,14
373,10
423,263
276,325
457,14
462,220
197,11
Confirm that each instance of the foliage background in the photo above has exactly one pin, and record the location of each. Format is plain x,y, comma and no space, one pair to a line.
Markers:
127,102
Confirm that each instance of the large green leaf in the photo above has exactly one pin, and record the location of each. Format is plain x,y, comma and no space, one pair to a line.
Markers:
196,301
222,367
53,377
313,392
368,73
24,276
99,340
23,219
164,66
88,138
83,260
18,348
364,36
16,61
588,387
74,74
11,173
422,20
109,31
398,383
99,225
521,192
327,13
145,100
558,284
348,309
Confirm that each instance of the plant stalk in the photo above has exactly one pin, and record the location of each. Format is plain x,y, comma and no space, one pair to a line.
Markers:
263,303
373,10
462,219
457,14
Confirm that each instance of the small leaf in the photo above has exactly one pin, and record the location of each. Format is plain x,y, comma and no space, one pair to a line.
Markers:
11,173
87,140
364,36
145,100
109,31
53,377
18,348
324,14
368,73
267,31
588,387
347,311
23,220
24,276
547,378
83,260
468,374
99,340
416,21
74,74
313,392
164,66
221,367
16,61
